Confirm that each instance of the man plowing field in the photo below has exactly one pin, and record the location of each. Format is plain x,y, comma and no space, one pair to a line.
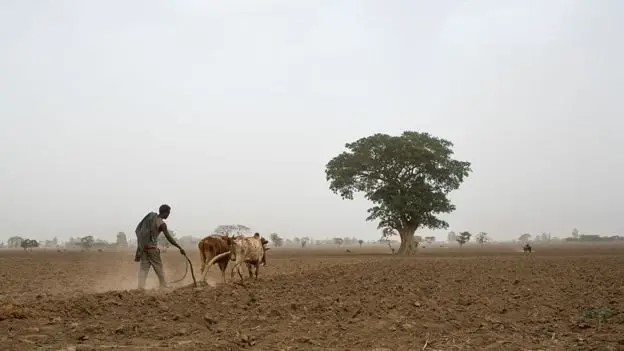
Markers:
148,253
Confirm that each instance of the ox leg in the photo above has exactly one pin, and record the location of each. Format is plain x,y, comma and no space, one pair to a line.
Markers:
223,266
249,270
237,268
234,268
257,267
240,274
205,270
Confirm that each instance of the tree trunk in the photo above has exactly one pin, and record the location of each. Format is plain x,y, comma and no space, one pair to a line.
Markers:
408,246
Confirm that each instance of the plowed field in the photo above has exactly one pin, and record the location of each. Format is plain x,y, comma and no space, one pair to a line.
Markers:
495,298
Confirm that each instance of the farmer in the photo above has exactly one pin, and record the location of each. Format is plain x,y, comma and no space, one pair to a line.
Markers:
148,253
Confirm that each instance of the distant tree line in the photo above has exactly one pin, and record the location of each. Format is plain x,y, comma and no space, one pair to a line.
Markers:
577,236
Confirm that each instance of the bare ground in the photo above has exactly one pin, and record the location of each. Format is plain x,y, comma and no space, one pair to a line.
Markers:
496,298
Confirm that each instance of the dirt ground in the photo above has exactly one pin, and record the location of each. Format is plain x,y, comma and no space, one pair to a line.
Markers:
492,298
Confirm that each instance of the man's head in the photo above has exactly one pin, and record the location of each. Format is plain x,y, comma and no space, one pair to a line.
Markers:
164,211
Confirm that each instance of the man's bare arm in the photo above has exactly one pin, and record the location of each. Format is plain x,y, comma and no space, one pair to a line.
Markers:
163,227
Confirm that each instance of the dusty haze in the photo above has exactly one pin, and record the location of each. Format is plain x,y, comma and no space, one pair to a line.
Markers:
229,111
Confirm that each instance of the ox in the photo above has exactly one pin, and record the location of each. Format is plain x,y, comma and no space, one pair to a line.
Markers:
248,250
212,246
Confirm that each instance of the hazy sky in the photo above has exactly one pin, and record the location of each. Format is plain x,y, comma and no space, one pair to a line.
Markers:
229,111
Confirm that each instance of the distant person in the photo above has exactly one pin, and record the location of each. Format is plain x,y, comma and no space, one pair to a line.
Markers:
148,253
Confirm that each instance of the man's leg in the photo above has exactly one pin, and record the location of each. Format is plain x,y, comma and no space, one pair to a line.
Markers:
144,267
156,262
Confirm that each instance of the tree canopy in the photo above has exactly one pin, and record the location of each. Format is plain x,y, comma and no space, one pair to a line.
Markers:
29,244
231,229
483,238
525,237
276,239
87,242
407,177
338,241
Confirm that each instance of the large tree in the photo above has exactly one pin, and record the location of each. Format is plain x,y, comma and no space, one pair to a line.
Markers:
525,237
276,239
87,242
463,238
29,244
483,238
231,229
407,177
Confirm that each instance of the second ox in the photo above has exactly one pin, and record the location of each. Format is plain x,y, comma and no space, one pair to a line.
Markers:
211,246
248,250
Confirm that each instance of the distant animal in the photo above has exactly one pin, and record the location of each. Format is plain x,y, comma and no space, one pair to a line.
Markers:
527,248
243,250
347,250
212,246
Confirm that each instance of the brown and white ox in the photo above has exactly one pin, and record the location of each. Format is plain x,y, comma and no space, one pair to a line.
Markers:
212,246
243,250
